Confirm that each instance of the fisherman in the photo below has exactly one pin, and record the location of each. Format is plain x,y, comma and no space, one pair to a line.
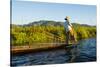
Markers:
70,35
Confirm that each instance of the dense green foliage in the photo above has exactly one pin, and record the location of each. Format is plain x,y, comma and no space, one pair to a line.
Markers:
29,34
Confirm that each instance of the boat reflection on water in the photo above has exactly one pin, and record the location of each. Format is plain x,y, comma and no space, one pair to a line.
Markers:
72,52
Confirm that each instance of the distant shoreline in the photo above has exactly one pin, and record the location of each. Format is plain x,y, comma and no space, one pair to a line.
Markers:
50,21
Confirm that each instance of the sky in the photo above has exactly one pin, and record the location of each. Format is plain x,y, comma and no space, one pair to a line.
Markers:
24,12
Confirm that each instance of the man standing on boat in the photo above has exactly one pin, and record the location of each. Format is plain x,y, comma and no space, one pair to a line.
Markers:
70,35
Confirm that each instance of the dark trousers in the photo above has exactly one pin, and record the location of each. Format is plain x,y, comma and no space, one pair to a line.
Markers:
67,37
70,37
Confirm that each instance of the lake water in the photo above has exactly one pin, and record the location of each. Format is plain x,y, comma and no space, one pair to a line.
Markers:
85,51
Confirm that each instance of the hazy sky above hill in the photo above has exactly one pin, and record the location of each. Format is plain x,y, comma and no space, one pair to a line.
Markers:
24,12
